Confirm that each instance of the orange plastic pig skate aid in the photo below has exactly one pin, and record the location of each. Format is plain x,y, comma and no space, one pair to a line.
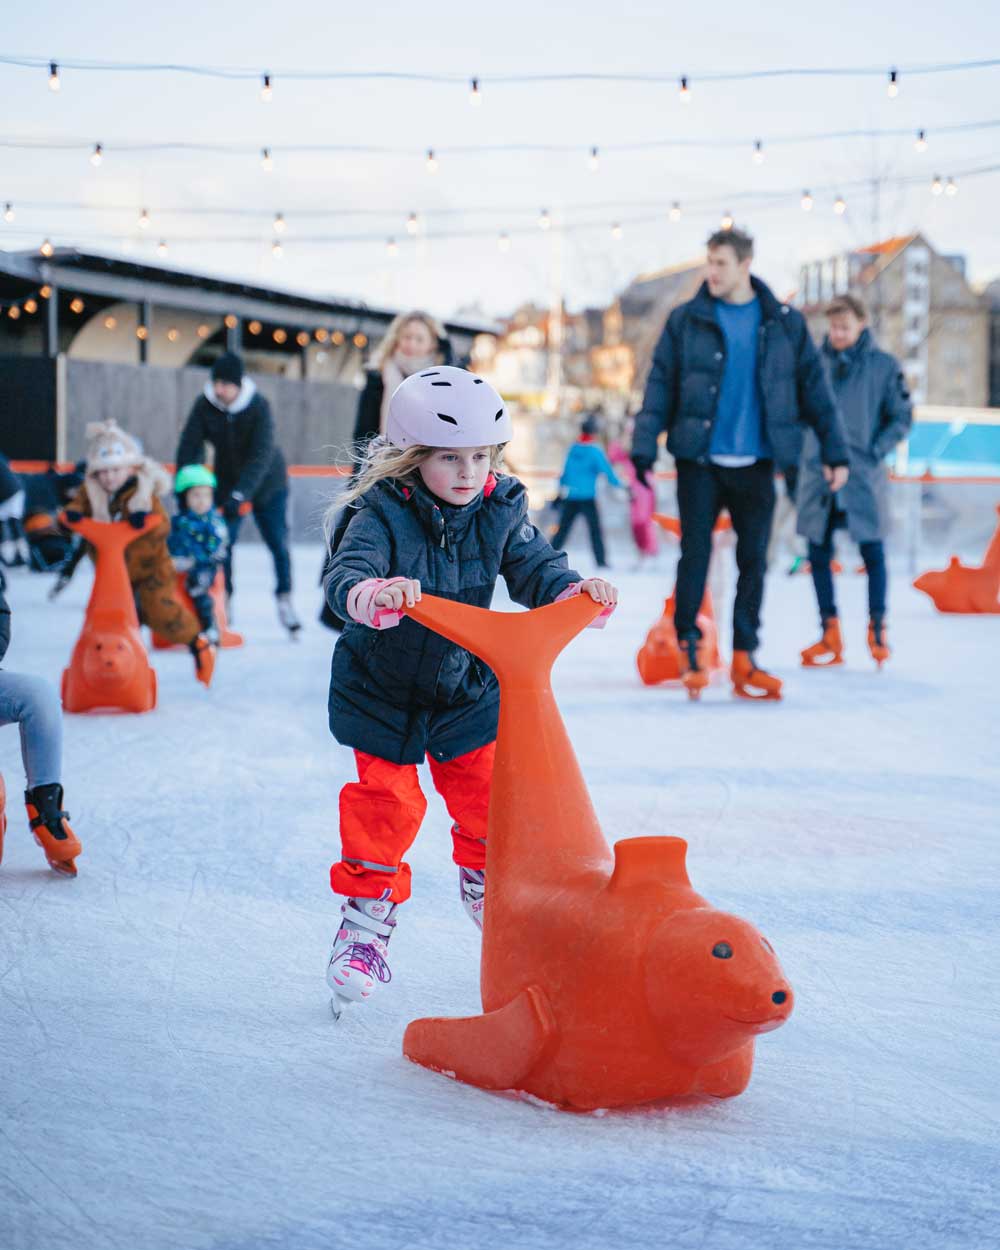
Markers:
959,588
227,636
606,980
109,668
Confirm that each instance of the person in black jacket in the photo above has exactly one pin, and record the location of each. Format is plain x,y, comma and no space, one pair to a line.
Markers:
235,418
734,375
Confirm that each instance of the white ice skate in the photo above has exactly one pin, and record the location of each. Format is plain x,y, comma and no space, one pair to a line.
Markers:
472,884
359,957
286,615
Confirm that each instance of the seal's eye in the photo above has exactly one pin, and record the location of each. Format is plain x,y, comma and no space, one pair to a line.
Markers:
722,950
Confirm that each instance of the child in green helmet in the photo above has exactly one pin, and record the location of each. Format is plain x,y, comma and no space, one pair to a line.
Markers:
198,541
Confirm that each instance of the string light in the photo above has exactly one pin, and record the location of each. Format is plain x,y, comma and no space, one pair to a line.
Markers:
807,202
142,333
360,340
173,334
503,243
950,187
937,186
337,338
727,222
892,90
475,95
31,306
921,141
46,249
230,321
544,220
110,323
76,305
265,90
280,336
412,224
321,335
685,91
279,223
595,160
8,212
302,338
277,251
758,152
431,162
616,231
392,247
45,292
13,312
255,327
161,248
203,331
840,206
97,155
54,83
265,160
144,220
675,211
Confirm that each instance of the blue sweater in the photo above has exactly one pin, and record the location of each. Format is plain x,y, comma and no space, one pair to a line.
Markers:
739,428
584,465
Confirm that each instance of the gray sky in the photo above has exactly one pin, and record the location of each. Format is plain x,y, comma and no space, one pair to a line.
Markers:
505,190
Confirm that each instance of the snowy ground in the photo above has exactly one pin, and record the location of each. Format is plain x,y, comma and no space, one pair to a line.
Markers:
172,1078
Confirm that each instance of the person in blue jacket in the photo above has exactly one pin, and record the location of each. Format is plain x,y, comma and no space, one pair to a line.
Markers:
585,464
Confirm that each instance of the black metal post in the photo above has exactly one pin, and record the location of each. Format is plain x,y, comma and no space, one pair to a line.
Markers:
50,342
145,319
234,337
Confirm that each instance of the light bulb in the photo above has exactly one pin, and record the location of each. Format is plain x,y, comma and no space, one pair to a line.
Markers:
921,141
279,223
503,243
302,338
142,333
97,155
277,251
13,312
203,331
76,305
54,83
266,163
265,90
685,91
544,220
758,152
230,321
595,160
892,90
360,340
412,224
807,202
161,248
727,222
475,95
173,334
280,336
254,327
8,212
950,187
937,186
616,231
392,247
144,220
45,292
321,335
31,306
431,164
337,338
675,211
840,206
110,323
46,249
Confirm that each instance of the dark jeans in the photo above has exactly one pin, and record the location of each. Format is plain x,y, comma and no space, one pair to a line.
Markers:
873,554
272,521
703,490
587,508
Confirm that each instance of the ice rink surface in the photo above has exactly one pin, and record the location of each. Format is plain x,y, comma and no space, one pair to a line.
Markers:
172,1078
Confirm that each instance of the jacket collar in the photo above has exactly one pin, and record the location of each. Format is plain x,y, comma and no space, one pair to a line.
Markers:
864,344
704,303
248,390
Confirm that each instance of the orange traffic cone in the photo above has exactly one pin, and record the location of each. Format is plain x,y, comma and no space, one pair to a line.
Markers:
959,588
109,667
227,636
606,980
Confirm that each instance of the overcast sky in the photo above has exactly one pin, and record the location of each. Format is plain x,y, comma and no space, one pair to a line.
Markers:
481,194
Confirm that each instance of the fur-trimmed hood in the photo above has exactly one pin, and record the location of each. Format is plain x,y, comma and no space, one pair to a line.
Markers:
248,389
108,447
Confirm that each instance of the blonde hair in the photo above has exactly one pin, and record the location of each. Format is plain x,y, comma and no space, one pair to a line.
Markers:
381,459
387,348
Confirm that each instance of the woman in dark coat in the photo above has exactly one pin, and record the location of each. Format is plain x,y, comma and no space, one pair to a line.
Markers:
875,406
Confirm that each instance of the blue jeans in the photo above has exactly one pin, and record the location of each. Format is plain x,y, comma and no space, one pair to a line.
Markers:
873,554
32,704
272,521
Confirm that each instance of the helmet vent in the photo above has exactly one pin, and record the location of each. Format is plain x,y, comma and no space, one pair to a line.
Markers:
444,417
433,374
478,382
440,384
499,415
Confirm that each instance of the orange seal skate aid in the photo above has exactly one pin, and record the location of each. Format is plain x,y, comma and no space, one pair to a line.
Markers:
109,668
606,980
959,588
660,658
227,637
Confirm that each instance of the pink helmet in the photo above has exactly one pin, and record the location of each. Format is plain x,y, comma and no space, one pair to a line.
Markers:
446,407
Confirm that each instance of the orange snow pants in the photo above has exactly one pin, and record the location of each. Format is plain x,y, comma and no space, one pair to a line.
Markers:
381,814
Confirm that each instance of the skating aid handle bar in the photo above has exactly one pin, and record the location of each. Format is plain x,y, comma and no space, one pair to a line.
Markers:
387,618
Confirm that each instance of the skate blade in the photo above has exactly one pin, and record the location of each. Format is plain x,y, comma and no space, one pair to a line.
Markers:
65,867
816,662
765,696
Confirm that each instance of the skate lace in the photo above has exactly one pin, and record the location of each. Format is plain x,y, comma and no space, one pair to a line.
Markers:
367,954
472,888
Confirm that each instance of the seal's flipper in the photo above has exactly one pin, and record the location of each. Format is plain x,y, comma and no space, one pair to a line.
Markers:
494,1051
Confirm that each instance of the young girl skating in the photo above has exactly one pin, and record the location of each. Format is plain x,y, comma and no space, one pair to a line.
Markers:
431,511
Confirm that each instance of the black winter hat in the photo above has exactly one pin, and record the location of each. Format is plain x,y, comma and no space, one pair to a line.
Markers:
591,424
228,368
